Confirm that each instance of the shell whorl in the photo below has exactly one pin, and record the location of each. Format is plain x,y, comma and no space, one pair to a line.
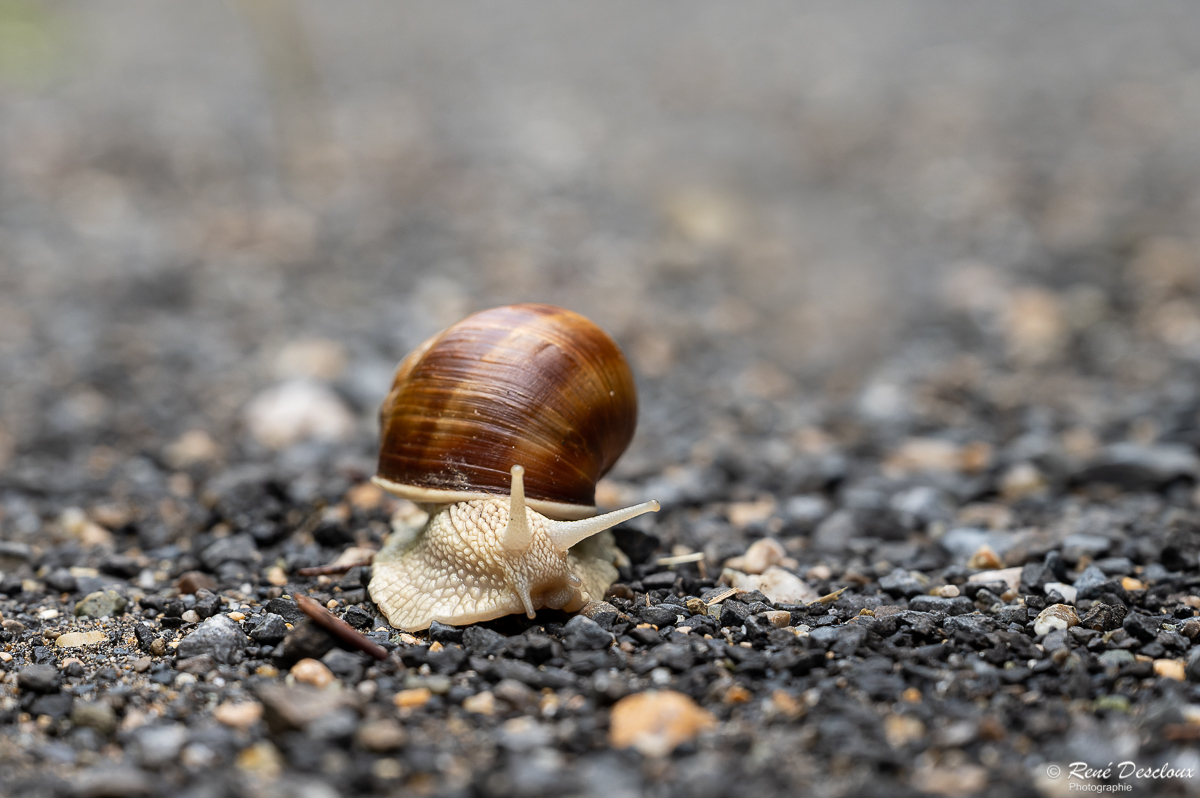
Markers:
528,384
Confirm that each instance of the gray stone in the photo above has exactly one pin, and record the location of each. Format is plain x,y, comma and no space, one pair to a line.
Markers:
56,705
660,615
294,708
1116,658
1143,627
824,636
101,604
1103,617
959,605
519,695
1115,566
444,633
207,603
733,613
806,510
340,724
60,580
901,583
962,542
1134,465
109,781
1089,582
917,507
13,550
1055,640
1193,664
235,548
271,630
1075,547
482,642
219,637
584,634
286,609
196,665
833,534
39,679
96,715
158,745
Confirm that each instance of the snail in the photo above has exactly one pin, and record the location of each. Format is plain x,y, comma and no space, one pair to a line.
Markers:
499,427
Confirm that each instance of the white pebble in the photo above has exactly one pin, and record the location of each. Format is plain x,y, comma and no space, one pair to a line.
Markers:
1056,616
298,410
1066,591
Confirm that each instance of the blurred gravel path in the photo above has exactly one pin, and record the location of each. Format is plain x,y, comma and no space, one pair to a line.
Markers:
912,290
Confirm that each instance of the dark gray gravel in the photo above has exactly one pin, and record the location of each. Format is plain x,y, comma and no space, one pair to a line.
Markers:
913,291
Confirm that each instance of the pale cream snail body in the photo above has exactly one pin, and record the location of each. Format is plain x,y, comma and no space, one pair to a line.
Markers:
500,426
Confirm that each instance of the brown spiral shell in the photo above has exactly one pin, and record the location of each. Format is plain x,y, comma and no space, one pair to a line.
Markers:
531,385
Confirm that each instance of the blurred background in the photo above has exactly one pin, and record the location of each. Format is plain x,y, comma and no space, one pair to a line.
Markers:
223,223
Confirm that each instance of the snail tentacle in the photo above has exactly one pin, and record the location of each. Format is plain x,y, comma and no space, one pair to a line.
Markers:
517,535
565,534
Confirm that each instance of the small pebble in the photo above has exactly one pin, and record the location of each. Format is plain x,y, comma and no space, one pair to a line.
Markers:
1009,576
298,410
1068,592
785,704
381,736
985,558
481,703
39,679
101,604
262,760
900,730
947,591
736,694
195,581
219,636
514,693
311,671
760,556
657,722
413,697
1170,669
192,447
1056,616
778,618
96,715
240,715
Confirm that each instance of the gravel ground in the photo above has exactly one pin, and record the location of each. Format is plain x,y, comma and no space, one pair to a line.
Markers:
913,299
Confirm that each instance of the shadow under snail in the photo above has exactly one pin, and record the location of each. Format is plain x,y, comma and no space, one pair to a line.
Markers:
499,427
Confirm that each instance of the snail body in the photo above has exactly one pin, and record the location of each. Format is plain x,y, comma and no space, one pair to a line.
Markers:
500,426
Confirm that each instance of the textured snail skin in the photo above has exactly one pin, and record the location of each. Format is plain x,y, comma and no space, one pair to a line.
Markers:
523,388
457,571
526,384
484,558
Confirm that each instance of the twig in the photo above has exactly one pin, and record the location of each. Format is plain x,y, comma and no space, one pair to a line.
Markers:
335,568
339,628
680,559
829,598
721,596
